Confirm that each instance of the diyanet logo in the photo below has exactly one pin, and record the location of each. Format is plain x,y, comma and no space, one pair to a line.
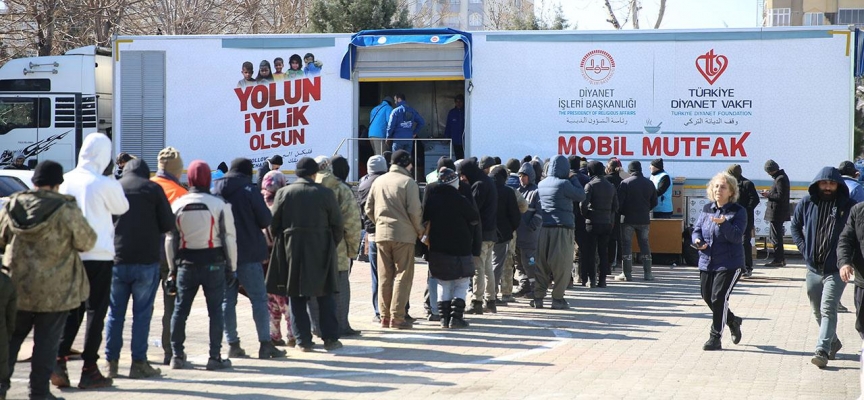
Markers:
597,67
711,66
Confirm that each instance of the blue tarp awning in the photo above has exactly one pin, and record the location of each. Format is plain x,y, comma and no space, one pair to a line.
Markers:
388,37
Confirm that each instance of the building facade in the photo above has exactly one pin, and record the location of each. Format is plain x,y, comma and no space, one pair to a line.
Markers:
468,15
812,12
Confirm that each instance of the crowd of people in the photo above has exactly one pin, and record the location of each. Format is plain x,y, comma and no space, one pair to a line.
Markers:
84,243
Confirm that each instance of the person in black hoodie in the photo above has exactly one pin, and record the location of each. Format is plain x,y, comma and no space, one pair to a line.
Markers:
598,208
137,239
251,215
748,198
486,198
849,255
507,222
613,175
376,166
777,210
637,196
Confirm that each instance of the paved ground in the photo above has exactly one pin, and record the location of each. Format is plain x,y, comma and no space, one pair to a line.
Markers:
632,340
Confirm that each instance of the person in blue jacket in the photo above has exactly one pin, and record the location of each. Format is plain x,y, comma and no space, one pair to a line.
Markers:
717,235
378,119
404,123
455,128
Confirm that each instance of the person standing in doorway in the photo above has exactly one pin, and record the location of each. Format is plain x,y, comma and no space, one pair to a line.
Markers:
404,124
455,128
777,211
378,120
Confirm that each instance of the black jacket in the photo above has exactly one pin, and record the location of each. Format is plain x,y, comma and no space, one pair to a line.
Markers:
806,219
485,197
251,215
452,218
138,232
778,198
748,198
600,202
851,244
508,211
636,198
363,194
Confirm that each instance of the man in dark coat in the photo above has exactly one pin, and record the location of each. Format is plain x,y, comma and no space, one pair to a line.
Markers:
748,198
637,196
777,211
486,198
307,224
507,220
599,207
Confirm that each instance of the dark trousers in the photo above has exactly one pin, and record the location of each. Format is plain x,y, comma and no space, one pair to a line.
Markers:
168,305
748,248
8,308
212,279
99,274
596,243
47,329
716,288
615,250
662,215
776,235
301,325
458,151
859,314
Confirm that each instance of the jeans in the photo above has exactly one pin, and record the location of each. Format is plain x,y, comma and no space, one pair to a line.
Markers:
99,273
641,238
455,289
373,264
47,328
406,145
189,278
777,232
824,293
140,281
301,325
167,312
251,276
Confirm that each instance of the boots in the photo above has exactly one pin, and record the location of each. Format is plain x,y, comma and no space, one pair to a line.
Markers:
235,351
627,275
602,281
268,351
646,267
476,307
457,316
490,306
445,312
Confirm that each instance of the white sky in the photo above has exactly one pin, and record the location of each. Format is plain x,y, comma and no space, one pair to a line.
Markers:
680,14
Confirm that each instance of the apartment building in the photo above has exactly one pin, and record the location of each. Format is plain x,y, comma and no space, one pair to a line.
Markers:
468,15
812,12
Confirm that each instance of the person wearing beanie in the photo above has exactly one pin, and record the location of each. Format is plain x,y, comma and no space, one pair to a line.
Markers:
450,220
444,161
304,266
486,164
637,196
378,118
404,123
205,257
346,249
274,163
513,173
850,176
45,233
339,166
599,209
455,127
393,205
579,168
376,166
251,216
507,220
663,182
748,198
100,198
217,174
778,211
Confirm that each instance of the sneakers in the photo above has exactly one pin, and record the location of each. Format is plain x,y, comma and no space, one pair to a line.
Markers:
841,308
142,370
431,318
403,324
179,362
268,351
508,298
376,319
820,359
235,351
214,364
92,378
476,307
747,273
525,292
623,278
560,304
712,344
60,375
112,367
835,347
305,348
410,318
735,328
332,344
350,332
536,303
775,264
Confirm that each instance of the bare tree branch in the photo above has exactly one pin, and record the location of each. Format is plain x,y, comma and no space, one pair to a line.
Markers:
660,14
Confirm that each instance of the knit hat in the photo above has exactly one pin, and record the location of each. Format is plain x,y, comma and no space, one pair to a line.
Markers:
575,162
275,160
169,161
273,181
340,167
199,174
487,162
445,161
242,166
376,164
513,165
447,176
223,167
657,163
47,173
497,160
634,166
595,168
401,158
771,166
734,170
306,167
847,168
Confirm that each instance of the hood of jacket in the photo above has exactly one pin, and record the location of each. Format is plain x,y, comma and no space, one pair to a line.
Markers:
560,167
29,210
528,169
595,168
471,170
499,175
231,183
829,174
95,153
136,167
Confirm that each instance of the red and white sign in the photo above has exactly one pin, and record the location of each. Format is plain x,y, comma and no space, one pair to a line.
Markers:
711,66
597,67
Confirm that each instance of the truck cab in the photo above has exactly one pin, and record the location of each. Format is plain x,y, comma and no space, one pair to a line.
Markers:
48,104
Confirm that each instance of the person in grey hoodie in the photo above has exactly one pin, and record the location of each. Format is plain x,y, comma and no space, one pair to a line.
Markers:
557,192
528,233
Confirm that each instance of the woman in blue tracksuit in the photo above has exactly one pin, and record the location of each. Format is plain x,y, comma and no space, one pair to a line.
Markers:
718,235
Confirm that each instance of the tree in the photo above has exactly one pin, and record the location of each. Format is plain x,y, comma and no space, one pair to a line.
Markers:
520,15
632,7
356,15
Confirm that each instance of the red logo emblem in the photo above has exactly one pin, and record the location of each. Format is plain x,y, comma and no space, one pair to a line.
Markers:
597,67
711,66
434,39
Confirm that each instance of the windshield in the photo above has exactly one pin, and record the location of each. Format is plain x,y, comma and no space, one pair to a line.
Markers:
24,112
